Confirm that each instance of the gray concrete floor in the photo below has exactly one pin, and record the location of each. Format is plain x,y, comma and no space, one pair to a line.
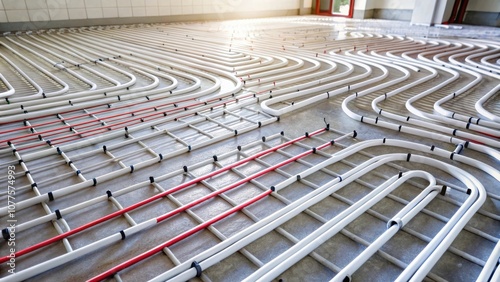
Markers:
462,262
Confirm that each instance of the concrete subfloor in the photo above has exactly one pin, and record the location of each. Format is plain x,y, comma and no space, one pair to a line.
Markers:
462,262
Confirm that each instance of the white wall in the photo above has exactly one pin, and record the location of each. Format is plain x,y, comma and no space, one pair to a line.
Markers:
423,12
443,11
360,4
370,4
50,10
484,6
384,4
392,4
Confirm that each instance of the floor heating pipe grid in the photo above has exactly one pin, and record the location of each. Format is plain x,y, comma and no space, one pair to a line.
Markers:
256,119
131,113
454,93
45,61
42,64
156,180
278,83
160,150
236,274
361,51
63,62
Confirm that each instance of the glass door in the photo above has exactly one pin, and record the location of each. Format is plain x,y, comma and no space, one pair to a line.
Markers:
341,7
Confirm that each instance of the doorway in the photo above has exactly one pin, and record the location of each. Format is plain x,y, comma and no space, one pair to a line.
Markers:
458,12
339,8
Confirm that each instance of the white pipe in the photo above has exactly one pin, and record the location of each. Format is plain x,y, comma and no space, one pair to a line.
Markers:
39,68
126,170
184,271
9,92
490,266
65,211
298,251
393,226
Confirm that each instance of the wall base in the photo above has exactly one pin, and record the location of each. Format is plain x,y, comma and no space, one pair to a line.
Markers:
305,11
362,14
482,18
392,14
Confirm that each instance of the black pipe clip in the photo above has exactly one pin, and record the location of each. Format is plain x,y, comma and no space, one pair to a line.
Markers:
443,190
197,266
51,196
6,233
58,214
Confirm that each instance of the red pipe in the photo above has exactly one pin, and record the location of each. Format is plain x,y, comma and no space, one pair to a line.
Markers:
90,121
100,111
153,198
75,137
78,116
176,239
236,184
127,122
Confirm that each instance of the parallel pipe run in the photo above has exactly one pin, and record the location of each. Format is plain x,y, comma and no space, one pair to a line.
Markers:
217,253
178,238
125,170
175,189
132,230
211,195
393,226
29,224
491,270
228,73
285,260
130,121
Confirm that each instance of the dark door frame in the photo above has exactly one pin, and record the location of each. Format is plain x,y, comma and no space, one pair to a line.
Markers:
458,12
